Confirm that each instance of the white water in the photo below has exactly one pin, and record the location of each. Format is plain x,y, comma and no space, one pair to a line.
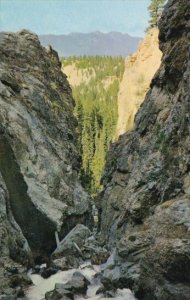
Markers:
41,285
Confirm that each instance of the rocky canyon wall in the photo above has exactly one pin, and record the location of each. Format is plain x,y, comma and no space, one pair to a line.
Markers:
145,204
39,160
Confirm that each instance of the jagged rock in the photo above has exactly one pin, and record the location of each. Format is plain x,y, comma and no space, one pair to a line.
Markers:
124,275
111,278
93,251
20,280
144,206
39,159
79,245
47,272
77,285
71,245
61,263
99,256
59,293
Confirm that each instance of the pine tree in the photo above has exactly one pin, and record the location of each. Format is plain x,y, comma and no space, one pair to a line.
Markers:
96,111
155,10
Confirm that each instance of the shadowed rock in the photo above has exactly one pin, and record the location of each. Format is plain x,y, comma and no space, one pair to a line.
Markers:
39,155
145,206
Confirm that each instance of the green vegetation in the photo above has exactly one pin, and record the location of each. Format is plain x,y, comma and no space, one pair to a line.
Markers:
155,10
96,111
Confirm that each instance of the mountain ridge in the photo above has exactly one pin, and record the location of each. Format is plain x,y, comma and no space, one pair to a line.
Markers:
94,43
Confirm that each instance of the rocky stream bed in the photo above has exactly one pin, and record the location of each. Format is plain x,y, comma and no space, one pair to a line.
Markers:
86,281
70,273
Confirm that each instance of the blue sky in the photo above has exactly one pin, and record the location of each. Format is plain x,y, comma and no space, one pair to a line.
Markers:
65,16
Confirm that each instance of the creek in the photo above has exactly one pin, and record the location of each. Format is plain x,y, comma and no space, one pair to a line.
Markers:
41,286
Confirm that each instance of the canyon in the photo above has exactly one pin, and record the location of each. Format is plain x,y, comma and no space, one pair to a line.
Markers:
140,238
118,84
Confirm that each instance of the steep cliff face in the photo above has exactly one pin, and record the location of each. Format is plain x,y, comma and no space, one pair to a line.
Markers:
39,160
139,71
14,249
145,204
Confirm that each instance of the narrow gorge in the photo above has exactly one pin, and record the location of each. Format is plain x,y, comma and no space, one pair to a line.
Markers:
131,239
108,92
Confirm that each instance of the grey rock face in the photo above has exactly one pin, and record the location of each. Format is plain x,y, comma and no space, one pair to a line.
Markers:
144,206
13,245
39,160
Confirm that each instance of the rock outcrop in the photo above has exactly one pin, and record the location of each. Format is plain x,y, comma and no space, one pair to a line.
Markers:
39,160
71,244
77,285
139,71
145,204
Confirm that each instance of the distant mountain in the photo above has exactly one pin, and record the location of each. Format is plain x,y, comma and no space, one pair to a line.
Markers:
95,43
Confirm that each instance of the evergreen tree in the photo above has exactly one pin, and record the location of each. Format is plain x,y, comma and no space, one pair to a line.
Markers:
155,10
96,111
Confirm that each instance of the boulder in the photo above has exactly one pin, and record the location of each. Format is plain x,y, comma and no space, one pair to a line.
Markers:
124,275
72,244
47,272
61,263
59,293
77,285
